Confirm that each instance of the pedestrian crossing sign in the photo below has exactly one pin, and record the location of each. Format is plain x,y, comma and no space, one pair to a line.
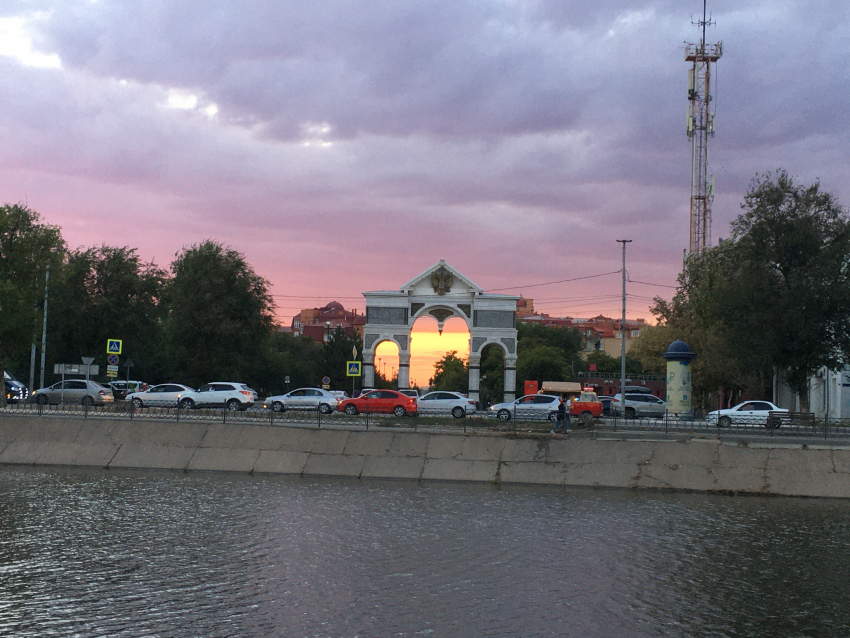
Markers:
353,369
113,346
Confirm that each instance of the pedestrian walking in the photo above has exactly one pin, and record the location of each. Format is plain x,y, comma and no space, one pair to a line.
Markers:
563,418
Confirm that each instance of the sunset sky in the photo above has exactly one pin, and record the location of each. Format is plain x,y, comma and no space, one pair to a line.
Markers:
345,147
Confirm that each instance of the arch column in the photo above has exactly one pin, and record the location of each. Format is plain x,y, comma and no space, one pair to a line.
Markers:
403,369
510,377
368,369
474,376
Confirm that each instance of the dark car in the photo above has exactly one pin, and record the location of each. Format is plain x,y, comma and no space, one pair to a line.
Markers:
16,392
606,404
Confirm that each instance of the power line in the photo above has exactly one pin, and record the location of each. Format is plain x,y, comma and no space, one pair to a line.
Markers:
646,283
561,281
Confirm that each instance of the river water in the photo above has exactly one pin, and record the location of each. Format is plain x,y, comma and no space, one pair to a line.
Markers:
97,553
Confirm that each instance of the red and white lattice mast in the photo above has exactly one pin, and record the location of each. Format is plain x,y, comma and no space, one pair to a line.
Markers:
700,130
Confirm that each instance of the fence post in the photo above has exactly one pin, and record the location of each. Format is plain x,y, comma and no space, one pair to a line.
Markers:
85,409
319,417
271,416
131,410
224,414
178,411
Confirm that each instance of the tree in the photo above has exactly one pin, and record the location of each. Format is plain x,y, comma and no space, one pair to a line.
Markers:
284,355
27,246
450,373
793,245
774,298
493,373
606,363
113,294
546,353
338,350
219,315
543,363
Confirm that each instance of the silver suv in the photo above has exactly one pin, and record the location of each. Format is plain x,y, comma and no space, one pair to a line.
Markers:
638,404
233,396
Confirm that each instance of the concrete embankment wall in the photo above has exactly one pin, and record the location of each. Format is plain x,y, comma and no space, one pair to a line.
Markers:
700,464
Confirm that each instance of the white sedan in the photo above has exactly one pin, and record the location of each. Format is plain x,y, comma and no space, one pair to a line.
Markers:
303,399
443,402
167,394
531,406
748,413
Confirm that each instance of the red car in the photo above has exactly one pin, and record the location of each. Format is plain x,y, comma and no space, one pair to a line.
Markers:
384,401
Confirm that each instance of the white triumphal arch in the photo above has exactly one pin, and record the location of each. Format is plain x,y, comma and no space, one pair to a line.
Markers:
441,292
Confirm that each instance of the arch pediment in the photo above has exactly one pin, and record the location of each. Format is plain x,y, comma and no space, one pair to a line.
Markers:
441,280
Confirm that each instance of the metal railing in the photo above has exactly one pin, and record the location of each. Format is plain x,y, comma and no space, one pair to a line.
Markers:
778,425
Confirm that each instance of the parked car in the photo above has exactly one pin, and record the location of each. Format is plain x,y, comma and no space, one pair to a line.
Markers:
638,404
74,391
339,394
534,406
641,389
232,395
443,402
748,413
16,392
120,389
382,401
411,392
164,395
606,404
303,399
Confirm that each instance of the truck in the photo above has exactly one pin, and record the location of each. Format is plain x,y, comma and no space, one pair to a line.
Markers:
583,402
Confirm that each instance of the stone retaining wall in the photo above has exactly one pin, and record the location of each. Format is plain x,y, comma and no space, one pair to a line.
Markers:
700,464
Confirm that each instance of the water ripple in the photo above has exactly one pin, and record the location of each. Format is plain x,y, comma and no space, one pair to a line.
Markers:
130,554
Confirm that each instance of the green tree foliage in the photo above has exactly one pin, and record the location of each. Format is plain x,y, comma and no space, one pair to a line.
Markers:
611,365
493,368
26,247
112,294
299,358
546,353
219,315
450,373
543,363
338,350
774,297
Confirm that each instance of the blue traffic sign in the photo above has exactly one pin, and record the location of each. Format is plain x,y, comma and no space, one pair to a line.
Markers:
113,346
352,369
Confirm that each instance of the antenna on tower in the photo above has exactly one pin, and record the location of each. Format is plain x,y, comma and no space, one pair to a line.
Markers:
700,128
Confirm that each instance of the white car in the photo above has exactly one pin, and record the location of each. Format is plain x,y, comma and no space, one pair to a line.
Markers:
74,391
748,413
233,396
638,404
167,395
442,402
531,406
303,399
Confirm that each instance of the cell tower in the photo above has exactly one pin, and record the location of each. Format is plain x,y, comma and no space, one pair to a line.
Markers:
700,129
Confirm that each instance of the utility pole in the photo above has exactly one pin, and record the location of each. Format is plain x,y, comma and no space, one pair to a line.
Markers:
700,130
44,329
31,386
623,332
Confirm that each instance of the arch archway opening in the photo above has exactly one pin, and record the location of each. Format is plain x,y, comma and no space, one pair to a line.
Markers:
428,346
386,365
492,383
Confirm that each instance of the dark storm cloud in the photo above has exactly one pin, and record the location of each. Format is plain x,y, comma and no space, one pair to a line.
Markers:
345,128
